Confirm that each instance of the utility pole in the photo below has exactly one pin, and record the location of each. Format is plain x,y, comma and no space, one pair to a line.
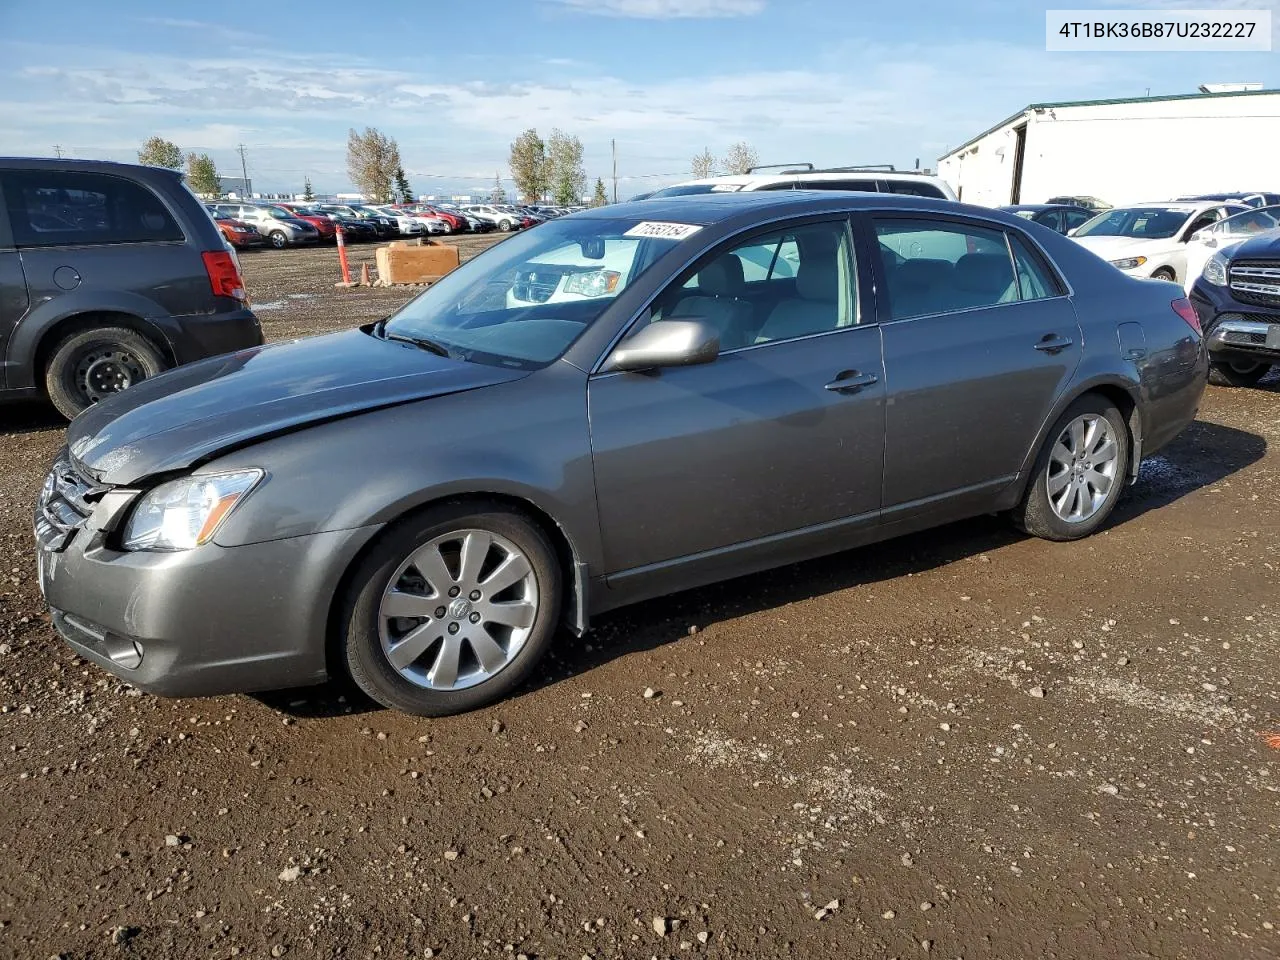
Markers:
244,172
614,144
57,150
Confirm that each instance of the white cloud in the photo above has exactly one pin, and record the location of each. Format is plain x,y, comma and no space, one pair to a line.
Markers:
665,9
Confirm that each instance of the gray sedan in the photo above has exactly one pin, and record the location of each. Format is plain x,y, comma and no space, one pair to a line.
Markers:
619,404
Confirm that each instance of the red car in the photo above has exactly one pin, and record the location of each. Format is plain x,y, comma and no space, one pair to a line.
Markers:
328,229
237,232
457,223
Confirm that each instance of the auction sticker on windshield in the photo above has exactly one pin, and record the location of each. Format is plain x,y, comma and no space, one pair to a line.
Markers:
663,231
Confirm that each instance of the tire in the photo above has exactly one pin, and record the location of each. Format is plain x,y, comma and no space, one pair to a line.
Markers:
1237,373
89,366
1041,515
277,239
1165,273
370,635
506,226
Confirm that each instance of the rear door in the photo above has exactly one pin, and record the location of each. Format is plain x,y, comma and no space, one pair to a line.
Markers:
13,291
980,339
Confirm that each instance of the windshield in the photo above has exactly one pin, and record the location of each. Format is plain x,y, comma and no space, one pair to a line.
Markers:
524,301
280,213
1142,223
689,189
1247,223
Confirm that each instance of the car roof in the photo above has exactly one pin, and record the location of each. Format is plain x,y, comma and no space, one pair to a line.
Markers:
708,208
744,179
1044,206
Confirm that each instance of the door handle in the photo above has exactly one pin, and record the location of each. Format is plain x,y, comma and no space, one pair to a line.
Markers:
850,381
1052,343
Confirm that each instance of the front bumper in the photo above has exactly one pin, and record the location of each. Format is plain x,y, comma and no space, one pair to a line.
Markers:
1235,330
201,622
199,336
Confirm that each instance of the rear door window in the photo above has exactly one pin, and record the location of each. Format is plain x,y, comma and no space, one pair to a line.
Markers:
912,188
865,186
1076,217
54,208
936,266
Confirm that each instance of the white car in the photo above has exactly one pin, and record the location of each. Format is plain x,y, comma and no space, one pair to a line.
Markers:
409,226
504,220
1224,235
1150,239
570,273
803,176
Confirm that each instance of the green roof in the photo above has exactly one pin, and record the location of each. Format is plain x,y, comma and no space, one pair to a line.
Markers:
1103,103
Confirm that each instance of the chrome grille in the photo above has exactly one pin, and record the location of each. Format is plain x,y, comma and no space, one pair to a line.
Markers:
66,500
1256,281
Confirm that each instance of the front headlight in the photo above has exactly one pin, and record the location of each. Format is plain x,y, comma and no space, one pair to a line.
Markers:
597,283
1215,271
1131,263
186,513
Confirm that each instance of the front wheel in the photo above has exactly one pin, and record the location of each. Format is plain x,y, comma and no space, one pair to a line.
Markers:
92,365
278,239
452,609
1164,273
1237,373
1079,474
506,226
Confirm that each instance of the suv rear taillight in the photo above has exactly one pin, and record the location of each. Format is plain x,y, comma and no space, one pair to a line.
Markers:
224,274
1183,308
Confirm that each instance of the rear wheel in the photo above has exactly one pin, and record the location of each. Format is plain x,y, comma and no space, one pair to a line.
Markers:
92,365
278,239
506,226
1237,373
1080,473
452,609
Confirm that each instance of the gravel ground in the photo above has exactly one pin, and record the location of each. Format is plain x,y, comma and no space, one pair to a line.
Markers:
965,744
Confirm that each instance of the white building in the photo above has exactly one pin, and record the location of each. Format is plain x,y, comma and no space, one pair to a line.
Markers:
1124,151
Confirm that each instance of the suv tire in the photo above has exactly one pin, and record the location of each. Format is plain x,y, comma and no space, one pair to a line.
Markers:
396,574
1237,373
1066,465
90,365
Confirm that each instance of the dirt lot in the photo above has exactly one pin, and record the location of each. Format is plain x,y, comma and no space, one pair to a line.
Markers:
962,744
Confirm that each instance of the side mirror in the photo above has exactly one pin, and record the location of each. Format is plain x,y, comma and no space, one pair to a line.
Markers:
667,343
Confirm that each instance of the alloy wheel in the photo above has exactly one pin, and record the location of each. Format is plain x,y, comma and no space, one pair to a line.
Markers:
1083,464
458,610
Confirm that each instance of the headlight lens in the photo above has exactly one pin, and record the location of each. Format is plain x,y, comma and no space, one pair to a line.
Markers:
186,513
597,283
1132,263
1215,271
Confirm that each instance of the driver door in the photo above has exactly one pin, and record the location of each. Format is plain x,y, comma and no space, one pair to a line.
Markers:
704,471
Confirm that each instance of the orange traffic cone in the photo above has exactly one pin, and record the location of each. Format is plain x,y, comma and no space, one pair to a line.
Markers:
364,276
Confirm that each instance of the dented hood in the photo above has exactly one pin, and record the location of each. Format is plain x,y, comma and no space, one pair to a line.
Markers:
190,414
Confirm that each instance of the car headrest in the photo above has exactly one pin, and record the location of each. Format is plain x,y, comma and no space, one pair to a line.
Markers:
988,273
923,272
722,277
817,280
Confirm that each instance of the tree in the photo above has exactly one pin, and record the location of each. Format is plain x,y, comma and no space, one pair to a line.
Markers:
566,176
499,193
159,152
740,158
704,164
528,163
373,160
600,198
403,190
202,175
306,190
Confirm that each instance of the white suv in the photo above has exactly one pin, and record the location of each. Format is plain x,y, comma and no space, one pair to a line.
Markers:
803,176
503,219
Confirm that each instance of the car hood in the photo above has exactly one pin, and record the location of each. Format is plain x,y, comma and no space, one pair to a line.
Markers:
190,414
1118,248
1265,246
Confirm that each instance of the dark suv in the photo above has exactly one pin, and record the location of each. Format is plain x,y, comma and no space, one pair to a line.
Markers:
109,273
1238,300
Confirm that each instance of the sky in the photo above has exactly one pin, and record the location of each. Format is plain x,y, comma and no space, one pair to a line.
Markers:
833,82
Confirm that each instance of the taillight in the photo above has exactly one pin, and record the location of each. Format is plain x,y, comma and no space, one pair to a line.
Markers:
224,274
1183,308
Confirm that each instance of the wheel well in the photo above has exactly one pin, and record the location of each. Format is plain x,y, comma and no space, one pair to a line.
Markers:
335,662
79,322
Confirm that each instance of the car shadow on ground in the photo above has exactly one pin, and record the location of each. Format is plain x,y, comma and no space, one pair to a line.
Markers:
29,416
1204,454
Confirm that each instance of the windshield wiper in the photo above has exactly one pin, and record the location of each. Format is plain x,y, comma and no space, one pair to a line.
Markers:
422,343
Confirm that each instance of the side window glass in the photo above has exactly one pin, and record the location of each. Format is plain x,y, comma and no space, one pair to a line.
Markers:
865,186
934,266
1034,280
911,189
56,208
794,283
1075,218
